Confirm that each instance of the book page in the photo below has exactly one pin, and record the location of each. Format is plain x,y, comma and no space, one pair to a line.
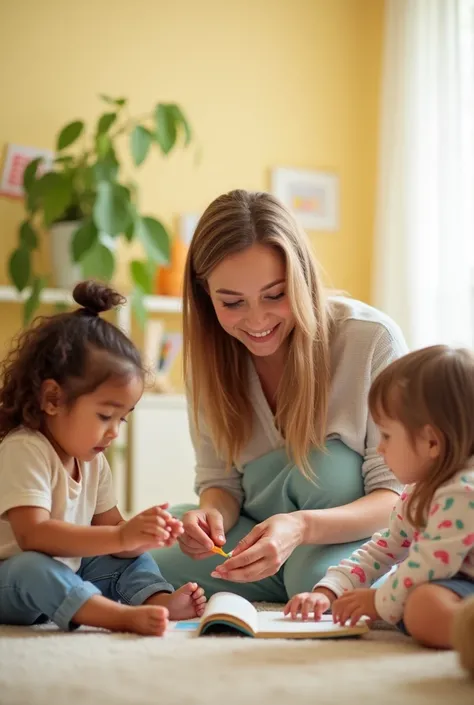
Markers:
277,623
226,603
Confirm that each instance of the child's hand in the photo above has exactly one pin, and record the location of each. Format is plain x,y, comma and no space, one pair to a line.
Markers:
308,604
152,528
352,605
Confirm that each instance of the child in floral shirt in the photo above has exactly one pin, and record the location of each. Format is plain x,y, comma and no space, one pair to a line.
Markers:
423,405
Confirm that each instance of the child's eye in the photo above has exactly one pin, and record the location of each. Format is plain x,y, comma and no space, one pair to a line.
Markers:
123,420
385,436
233,304
103,417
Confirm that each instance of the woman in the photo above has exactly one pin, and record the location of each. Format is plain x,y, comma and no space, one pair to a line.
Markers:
278,378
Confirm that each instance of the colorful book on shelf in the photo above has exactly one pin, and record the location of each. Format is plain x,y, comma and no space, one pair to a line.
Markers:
231,614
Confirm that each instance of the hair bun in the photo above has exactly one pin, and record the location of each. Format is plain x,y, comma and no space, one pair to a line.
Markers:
96,297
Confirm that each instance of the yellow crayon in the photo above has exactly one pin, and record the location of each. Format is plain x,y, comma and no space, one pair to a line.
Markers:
220,552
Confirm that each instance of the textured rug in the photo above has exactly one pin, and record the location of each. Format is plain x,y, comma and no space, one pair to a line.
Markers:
41,666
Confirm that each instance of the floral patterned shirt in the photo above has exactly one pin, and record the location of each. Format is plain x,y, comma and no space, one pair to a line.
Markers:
444,548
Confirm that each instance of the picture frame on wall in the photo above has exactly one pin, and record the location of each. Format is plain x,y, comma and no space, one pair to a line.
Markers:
312,196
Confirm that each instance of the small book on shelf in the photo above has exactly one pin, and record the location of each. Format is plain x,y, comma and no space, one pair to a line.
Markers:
231,614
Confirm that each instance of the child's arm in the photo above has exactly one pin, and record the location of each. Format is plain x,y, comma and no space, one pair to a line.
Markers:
113,517
437,553
375,558
34,530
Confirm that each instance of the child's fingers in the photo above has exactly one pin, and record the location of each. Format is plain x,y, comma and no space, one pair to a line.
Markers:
307,607
295,607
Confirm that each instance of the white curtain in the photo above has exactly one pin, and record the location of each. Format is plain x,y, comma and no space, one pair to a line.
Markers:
424,246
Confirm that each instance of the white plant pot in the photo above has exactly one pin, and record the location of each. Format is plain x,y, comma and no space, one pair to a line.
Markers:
66,272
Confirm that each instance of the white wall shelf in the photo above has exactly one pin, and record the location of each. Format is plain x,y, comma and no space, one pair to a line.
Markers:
153,304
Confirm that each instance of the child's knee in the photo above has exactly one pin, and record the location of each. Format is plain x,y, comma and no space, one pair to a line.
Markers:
29,562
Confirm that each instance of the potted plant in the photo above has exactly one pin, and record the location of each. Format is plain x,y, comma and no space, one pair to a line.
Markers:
87,204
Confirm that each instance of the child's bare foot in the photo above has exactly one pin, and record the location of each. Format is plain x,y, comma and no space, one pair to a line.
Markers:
98,611
146,619
187,602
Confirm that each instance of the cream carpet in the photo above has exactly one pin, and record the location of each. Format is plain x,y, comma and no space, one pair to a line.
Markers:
41,666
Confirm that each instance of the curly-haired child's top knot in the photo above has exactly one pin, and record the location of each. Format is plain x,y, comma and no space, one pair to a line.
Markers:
95,298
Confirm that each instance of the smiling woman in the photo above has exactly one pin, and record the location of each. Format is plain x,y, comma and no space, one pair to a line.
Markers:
278,375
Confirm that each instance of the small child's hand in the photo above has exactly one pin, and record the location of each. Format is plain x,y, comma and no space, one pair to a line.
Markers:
152,528
353,605
308,604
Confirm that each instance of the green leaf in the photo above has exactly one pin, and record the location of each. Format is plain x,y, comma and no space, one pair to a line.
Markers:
98,262
141,276
129,232
106,169
105,122
112,212
69,134
138,307
55,191
113,101
28,236
165,127
140,141
181,122
66,159
19,267
34,299
103,145
84,238
29,175
154,238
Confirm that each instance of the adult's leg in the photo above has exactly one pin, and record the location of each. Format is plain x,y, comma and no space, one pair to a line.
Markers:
178,568
307,565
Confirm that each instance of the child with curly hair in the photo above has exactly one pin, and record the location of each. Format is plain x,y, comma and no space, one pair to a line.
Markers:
66,553
423,405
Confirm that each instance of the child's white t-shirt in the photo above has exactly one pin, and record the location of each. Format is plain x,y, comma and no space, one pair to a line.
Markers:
32,475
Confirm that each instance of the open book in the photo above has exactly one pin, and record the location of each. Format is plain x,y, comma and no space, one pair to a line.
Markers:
227,613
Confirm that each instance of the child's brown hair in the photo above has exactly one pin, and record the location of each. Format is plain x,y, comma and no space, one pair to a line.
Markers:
79,350
433,386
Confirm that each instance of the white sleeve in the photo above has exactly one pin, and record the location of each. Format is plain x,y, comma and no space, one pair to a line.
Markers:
375,558
389,346
437,553
25,477
211,471
106,498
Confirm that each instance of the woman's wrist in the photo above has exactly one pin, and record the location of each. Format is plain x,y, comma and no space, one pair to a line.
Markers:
309,526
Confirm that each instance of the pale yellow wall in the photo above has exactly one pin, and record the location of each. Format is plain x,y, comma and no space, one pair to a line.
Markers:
264,82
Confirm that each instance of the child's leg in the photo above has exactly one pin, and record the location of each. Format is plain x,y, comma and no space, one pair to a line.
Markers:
429,615
33,585
138,581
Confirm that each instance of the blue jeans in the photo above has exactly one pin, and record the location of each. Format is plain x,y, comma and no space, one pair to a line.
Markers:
35,588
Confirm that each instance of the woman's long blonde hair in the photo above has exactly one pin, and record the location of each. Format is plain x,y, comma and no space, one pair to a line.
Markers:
433,386
217,364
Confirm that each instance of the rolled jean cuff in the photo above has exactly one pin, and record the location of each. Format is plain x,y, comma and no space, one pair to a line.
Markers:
72,603
139,597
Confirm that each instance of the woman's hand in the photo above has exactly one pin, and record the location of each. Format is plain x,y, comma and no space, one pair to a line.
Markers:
264,550
203,528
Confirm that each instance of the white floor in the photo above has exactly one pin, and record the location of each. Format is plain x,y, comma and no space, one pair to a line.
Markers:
42,666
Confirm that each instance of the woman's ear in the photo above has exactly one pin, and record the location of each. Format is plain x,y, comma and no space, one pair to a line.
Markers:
51,397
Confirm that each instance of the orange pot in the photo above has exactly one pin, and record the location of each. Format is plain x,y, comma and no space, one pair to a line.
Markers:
169,280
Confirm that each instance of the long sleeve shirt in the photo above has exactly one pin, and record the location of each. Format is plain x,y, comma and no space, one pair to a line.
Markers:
444,548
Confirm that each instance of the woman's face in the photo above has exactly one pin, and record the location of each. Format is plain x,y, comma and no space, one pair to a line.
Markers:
248,291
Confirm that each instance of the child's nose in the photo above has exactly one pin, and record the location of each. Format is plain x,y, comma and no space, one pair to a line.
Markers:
113,430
